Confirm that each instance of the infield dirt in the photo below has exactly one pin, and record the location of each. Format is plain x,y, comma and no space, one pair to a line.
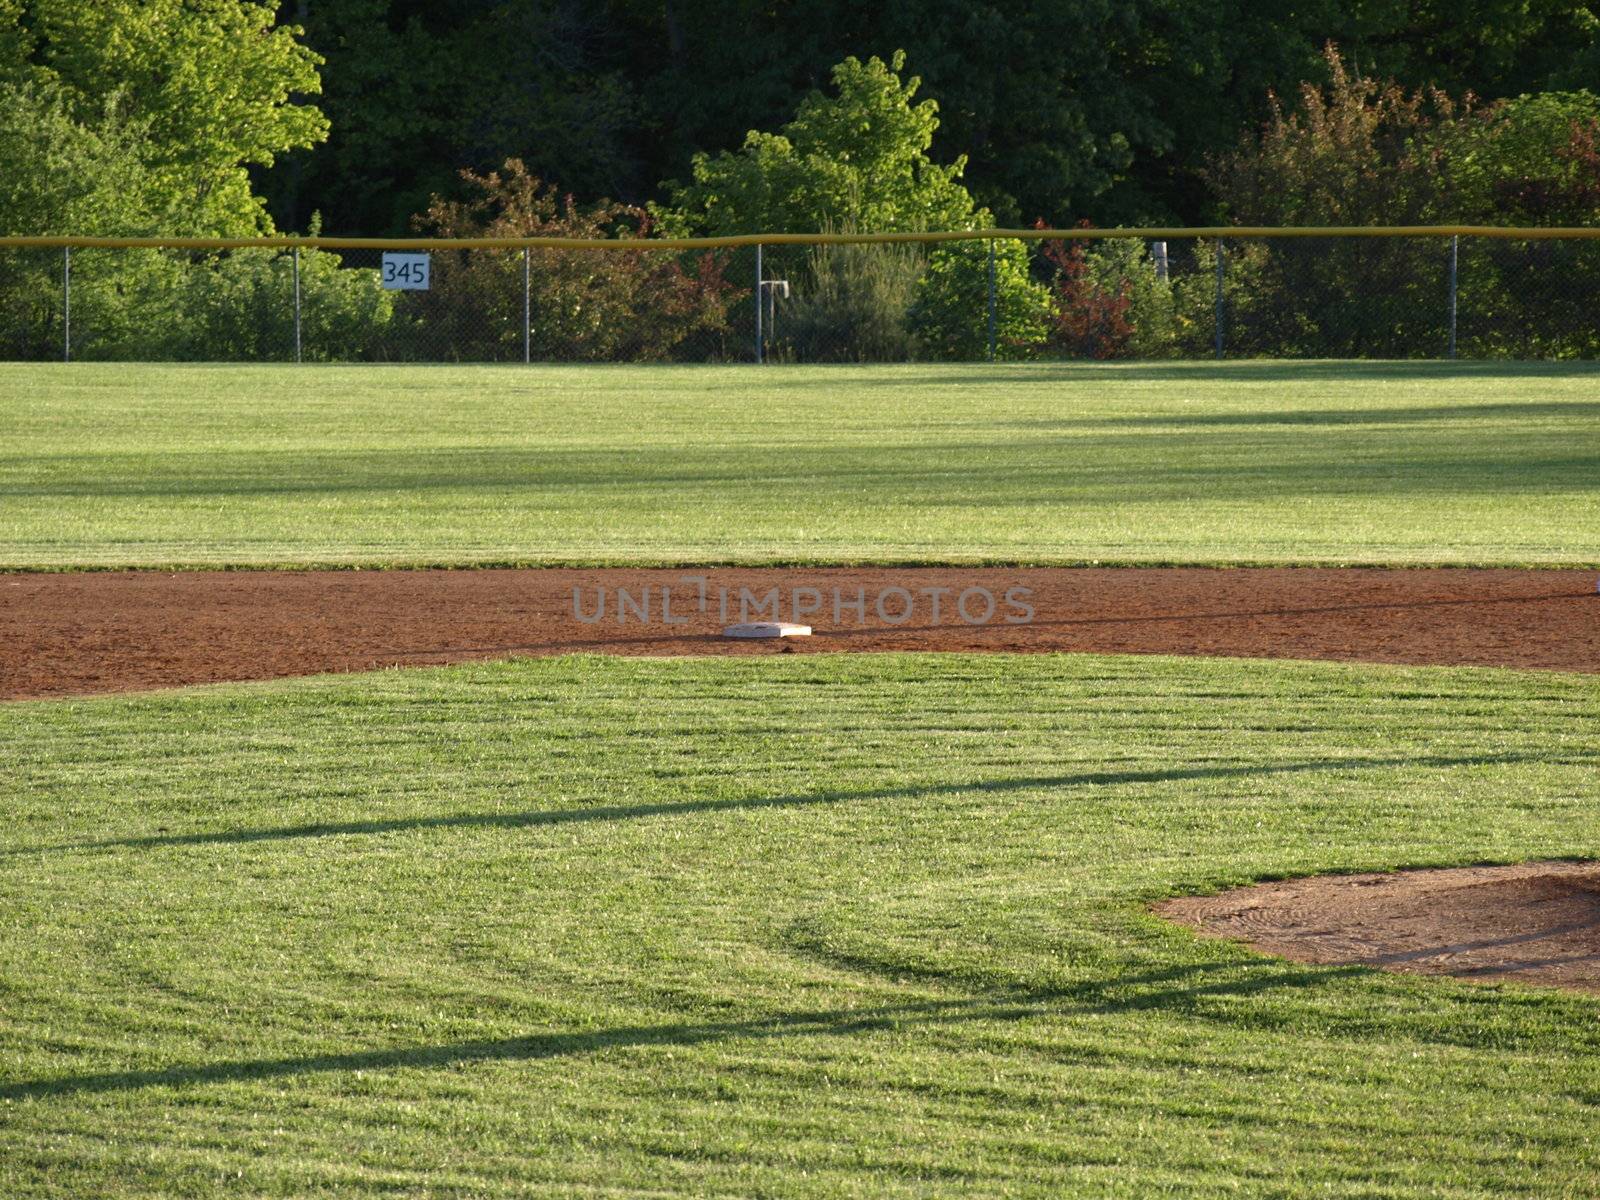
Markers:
82,633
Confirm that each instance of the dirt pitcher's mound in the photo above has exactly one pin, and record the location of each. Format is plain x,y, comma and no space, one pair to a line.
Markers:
1535,923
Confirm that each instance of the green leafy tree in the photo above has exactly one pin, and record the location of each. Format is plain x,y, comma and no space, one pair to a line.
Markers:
859,157
212,85
59,174
135,118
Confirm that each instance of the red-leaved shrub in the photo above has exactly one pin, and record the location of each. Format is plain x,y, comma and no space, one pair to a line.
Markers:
633,305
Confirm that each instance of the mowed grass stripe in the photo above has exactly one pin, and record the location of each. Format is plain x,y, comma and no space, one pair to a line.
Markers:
798,926
137,465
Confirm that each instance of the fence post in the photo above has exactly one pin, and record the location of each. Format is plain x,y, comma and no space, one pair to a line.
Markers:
296,256
527,308
1454,247
758,302
66,304
991,300
1219,311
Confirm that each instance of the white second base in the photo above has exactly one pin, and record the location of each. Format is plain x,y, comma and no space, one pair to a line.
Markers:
766,629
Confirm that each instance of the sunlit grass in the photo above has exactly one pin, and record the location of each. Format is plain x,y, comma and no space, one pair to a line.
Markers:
790,926
106,465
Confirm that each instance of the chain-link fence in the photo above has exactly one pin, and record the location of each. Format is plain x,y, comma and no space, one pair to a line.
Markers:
971,299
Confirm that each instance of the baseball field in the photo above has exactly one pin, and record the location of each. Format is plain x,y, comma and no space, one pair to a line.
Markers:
587,910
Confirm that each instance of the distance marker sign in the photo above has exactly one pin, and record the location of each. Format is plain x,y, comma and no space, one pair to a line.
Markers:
405,272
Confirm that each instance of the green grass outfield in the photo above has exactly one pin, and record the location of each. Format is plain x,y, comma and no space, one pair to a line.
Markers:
797,926
1408,463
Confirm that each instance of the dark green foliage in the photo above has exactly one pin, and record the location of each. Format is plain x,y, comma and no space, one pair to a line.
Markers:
1104,108
1366,152
133,118
416,90
1100,108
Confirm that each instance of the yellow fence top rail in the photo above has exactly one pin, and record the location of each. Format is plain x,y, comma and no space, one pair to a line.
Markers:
1502,232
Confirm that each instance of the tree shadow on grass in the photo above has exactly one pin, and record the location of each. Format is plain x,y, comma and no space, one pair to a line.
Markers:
1463,1017
1189,371
1053,462
1178,986
1576,412
627,812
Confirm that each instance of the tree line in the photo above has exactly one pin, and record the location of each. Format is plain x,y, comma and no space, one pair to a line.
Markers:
363,110
518,117
1062,110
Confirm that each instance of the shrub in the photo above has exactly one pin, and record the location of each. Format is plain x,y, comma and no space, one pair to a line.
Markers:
854,303
125,303
1091,315
1248,302
240,307
950,311
1537,162
1361,152
1109,301
585,305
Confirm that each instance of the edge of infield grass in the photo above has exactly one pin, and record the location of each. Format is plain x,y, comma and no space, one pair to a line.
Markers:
1157,659
784,562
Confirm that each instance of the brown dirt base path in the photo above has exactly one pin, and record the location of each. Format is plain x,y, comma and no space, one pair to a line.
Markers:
1535,923
73,634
